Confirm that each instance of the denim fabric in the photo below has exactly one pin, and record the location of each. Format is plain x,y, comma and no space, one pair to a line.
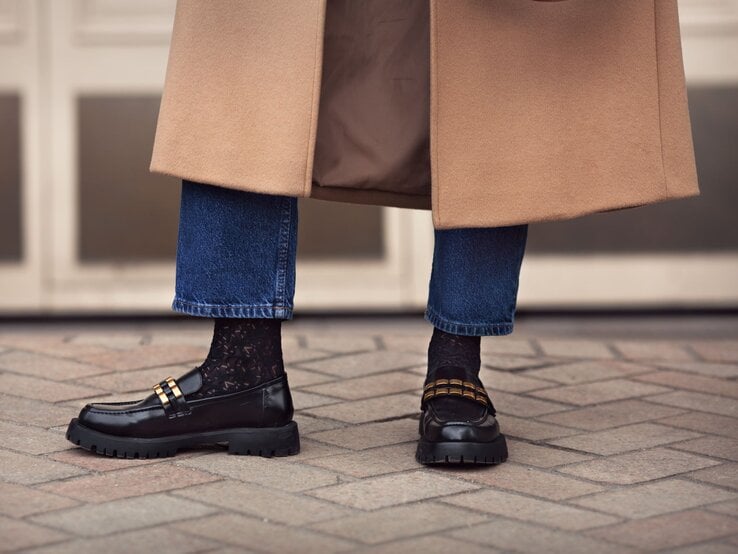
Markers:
235,253
236,258
474,280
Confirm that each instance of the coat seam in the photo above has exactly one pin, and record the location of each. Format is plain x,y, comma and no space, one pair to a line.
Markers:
435,179
658,97
317,64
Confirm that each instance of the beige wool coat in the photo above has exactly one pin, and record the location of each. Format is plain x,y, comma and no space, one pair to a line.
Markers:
488,112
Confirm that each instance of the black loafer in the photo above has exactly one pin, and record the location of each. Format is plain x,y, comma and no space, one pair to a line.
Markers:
458,424
256,421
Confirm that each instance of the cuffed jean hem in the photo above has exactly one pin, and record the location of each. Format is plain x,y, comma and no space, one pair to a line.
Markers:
231,310
469,329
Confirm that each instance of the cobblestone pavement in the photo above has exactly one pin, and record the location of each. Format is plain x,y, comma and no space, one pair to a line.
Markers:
617,444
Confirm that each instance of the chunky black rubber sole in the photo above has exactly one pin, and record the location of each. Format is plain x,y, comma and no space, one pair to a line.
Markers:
489,453
265,442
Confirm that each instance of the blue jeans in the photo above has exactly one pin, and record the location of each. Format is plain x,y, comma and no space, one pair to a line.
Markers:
236,258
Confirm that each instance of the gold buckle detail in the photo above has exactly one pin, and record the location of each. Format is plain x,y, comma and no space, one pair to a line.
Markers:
163,398
457,387
175,387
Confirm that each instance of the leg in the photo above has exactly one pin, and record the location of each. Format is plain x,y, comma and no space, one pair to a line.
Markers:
235,253
473,292
474,281
235,263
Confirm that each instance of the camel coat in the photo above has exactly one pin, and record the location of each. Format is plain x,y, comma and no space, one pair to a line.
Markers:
488,112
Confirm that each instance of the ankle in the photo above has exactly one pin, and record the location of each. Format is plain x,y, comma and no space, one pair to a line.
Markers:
448,349
243,353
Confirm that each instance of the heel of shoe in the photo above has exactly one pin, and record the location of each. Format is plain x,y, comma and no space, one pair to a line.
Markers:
265,442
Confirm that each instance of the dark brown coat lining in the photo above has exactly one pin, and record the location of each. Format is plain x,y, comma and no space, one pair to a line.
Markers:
373,120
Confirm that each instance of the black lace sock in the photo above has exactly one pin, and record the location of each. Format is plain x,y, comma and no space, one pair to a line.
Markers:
447,349
243,353
446,352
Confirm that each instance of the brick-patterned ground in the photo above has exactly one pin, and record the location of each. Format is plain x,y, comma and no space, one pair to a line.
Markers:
623,438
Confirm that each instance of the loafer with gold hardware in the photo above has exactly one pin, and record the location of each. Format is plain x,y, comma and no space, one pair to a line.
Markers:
256,421
458,423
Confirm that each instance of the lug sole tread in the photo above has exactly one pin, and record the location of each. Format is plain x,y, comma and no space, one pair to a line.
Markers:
462,453
243,442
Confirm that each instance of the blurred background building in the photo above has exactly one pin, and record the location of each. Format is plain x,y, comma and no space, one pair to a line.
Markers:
85,228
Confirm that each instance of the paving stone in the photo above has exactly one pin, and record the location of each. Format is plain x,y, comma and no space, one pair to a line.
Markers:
637,467
17,535
652,499
524,406
301,378
297,354
407,343
652,350
40,365
370,435
722,371
602,391
717,447
310,449
699,383
49,345
190,337
356,486
587,371
399,522
390,490
309,424
33,412
117,341
367,463
370,386
542,456
370,409
95,520
725,475
705,423
31,440
531,430
135,380
267,537
270,472
614,414
341,342
146,356
509,363
575,349
717,350
28,470
305,400
495,380
432,544
167,540
524,508
134,481
19,501
43,389
506,345
730,508
699,402
514,536
624,439
366,363
263,503
705,548
527,480
669,531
